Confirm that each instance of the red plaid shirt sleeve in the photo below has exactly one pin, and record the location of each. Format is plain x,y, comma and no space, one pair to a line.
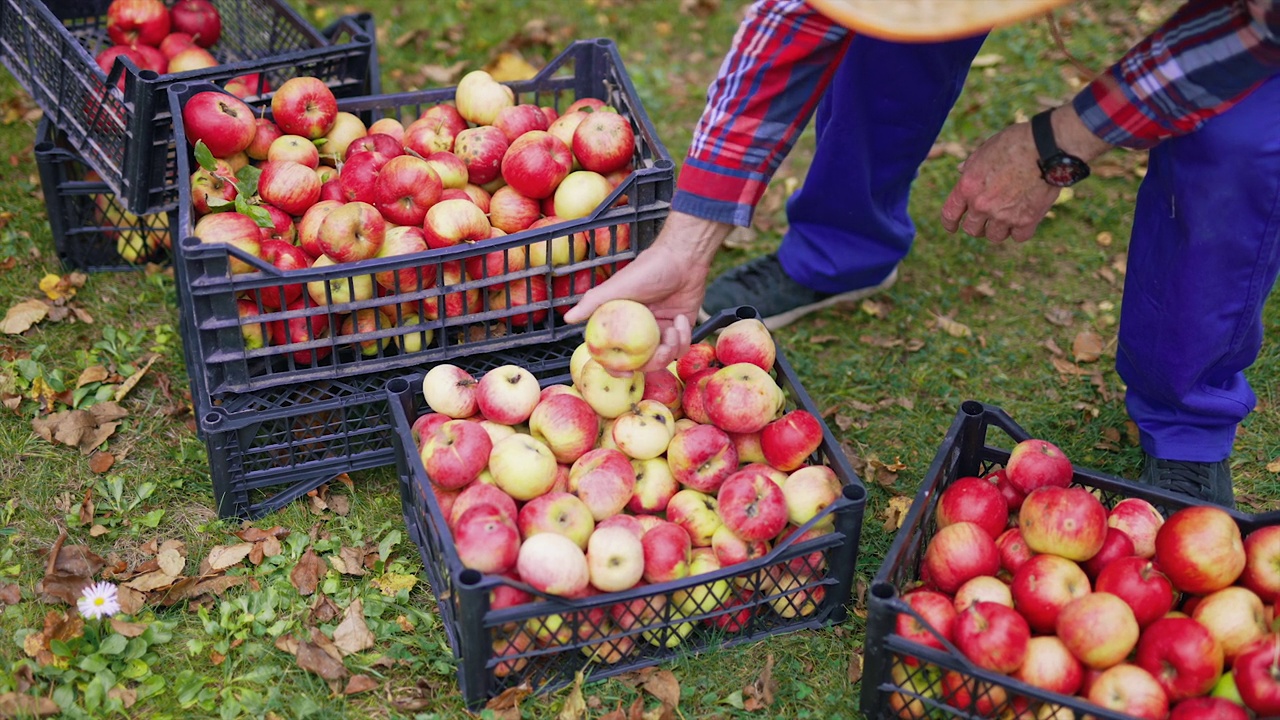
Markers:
1203,60
781,62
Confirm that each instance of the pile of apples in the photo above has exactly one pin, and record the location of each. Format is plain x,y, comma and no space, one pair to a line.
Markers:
315,187
626,478
168,40
1154,618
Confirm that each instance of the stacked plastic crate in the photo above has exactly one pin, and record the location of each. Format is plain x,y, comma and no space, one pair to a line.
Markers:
282,416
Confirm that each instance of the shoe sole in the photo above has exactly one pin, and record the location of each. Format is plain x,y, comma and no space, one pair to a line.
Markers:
782,320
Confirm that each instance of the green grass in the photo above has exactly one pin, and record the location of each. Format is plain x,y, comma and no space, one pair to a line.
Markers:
913,386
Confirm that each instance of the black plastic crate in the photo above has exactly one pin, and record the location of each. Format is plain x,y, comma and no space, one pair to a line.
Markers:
752,607
92,230
209,291
126,135
901,678
268,448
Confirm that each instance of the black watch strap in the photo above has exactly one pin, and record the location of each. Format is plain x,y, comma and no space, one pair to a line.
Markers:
1042,133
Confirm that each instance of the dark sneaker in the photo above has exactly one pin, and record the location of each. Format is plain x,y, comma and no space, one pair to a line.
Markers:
764,285
1206,481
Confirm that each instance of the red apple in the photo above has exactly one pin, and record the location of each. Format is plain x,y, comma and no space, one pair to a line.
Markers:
359,177
486,540
699,357
1049,665
304,106
481,149
405,188
1013,550
1131,691
352,232
1200,549
1235,616
604,142
295,148
959,552
1098,628
1262,563
1182,656
512,212
218,185
1257,675
993,636
936,610
398,242
233,229
517,120
309,226
975,500
1036,463
535,163
1140,520
1207,708
285,256
752,506
290,186
1065,521
152,59
223,122
305,325
1012,495
137,22
192,58
788,441
199,19
667,549
174,43
1116,545
1144,589
1043,586
374,142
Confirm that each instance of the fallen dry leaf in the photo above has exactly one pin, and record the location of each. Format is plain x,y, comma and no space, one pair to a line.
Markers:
392,583
1274,466
1087,346
896,512
171,561
56,287
359,684
100,462
14,705
983,60
506,705
313,659
306,575
855,666
10,594
952,327
324,609
68,572
575,707
133,379
348,561
222,557
352,634
151,581
1062,317
131,601
128,629
22,316
253,534
509,66
92,374
759,694
1066,367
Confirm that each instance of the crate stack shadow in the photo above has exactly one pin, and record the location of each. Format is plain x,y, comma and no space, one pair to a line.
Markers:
281,418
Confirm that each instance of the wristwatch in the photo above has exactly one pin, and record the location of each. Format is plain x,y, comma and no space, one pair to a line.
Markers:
1058,168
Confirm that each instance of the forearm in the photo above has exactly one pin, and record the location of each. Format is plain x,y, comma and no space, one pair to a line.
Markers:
692,237
780,64
1203,60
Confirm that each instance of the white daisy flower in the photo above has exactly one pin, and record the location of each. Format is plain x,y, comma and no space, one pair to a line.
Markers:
99,600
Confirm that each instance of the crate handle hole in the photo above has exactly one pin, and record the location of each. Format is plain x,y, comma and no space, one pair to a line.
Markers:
470,578
884,591
398,386
148,75
972,408
664,164
856,493
746,312
213,419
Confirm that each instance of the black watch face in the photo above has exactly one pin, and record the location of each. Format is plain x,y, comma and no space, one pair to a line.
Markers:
1063,170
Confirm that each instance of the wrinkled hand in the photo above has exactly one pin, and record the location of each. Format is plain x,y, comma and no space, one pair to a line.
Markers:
664,279
1000,193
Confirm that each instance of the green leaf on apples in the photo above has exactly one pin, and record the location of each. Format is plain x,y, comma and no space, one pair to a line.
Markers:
204,157
218,204
247,180
257,213
320,141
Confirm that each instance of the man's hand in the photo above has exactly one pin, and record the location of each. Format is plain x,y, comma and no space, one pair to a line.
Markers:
1000,193
670,278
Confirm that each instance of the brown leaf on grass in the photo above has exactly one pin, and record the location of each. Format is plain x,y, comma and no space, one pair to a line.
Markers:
881,472
339,504
66,575
19,318
324,609
352,634
57,287
759,694
57,626
128,629
506,706
510,66
10,594
306,575
662,684
855,666
349,561
952,327
152,581
575,707
131,601
876,308
190,588
441,75
359,684
127,696
313,659
222,557
1066,367
131,381
1060,316
171,561
253,534
85,515
1087,346
108,411
953,149
66,427
896,512
270,547
100,462
14,705
92,374
95,437
287,643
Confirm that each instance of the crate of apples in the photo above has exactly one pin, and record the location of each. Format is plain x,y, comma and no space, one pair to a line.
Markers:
625,516
1047,591
101,72
347,237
